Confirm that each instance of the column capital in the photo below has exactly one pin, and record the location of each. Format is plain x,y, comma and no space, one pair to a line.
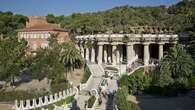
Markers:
161,43
130,43
100,43
114,43
146,43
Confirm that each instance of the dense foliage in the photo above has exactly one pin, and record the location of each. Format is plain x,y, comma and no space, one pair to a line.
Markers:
12,58
55,61
119,19
10,22
175,73
136,82
121,100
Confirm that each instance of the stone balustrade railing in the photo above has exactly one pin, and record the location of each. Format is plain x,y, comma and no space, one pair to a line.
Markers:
132,37
139,64
45,100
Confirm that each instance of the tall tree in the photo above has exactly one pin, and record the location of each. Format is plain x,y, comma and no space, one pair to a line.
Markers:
176,68
12,58
71,57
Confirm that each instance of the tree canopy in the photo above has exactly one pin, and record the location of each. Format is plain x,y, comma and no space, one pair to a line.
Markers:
10,22
120,19
12,58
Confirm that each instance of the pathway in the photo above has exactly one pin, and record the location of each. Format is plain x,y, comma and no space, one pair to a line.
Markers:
96,72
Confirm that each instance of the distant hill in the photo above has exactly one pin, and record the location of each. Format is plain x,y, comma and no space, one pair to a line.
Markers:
119,19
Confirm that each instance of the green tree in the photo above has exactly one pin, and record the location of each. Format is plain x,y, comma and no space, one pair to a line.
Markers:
10,22
176,70
12,58
70,57
120,98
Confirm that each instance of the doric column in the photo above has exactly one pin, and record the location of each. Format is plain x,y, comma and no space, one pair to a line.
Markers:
130,54
118,54
146,53
93,54
105,54
100,51
114,54
87,54
160,50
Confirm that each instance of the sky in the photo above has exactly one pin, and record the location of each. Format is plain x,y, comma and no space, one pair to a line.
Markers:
67,7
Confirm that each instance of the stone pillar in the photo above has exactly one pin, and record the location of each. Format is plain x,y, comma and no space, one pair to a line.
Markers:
160,50
114,54
130,54
118,54
146,53
105,54
100,53
87,54
93,54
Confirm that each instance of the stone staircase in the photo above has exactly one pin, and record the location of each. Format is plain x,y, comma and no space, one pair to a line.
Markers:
96,78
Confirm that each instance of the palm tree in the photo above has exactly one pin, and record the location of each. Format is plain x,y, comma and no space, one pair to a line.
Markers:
71,57
180,63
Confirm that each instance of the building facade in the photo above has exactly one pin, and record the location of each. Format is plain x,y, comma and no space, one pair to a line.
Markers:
38,30
111,49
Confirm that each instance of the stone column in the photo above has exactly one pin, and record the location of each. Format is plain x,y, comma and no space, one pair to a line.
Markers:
130,54
105,54
92,54
146,53
118,54
87,54
160,50
100,47
114,54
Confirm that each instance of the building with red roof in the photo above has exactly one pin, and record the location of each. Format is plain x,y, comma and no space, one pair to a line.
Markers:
38,30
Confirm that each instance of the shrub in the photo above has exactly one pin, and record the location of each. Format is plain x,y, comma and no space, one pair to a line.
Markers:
133,106
120,100
86,75
136,82
91,101
59,86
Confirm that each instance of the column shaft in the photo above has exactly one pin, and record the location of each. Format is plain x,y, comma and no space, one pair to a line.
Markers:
92,54
130,54
100,54
160,53
114,54
87,54
146,54
105,54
